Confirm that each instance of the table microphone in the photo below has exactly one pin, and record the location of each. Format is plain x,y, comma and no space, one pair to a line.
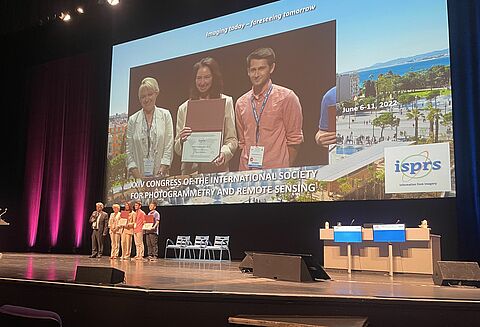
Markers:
398,220
4,212
352,221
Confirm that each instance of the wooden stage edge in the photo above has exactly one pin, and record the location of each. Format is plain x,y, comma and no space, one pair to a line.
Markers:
224,278
175,293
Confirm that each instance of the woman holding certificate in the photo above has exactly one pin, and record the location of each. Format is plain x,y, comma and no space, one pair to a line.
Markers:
149,135
207,85
127,231
115,231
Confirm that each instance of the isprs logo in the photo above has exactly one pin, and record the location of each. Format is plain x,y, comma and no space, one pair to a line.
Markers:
416,166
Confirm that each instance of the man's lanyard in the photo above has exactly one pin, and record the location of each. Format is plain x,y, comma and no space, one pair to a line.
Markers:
258,116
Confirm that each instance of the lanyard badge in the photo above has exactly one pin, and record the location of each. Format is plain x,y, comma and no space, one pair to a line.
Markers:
255,156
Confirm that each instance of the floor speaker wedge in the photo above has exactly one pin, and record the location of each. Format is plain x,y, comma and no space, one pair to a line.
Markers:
99,275
449,273
287,266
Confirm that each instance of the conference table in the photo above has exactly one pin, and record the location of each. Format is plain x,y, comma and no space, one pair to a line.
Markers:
417,254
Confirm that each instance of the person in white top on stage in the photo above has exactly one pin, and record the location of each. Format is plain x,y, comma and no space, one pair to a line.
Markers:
115,231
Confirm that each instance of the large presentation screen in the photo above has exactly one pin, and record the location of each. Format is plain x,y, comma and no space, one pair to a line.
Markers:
294,101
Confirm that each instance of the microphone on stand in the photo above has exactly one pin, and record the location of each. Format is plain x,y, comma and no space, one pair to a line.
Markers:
352,221
398,220
4,212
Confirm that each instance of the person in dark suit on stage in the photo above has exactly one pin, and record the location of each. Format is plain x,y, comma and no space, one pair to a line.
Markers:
99,221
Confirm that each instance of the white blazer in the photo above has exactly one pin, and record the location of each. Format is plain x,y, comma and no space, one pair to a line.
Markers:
161,140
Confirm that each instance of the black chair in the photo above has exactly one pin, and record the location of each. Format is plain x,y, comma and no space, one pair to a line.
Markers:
12,315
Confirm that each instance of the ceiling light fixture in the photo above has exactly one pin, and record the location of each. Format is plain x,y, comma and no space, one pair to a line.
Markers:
65,16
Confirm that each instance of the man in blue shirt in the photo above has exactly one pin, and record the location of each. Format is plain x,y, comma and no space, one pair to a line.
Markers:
152,234
326,134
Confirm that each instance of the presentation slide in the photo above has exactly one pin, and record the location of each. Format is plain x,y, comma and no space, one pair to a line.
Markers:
294,101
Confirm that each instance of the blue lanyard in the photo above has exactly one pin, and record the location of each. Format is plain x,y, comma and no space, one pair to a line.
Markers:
258,116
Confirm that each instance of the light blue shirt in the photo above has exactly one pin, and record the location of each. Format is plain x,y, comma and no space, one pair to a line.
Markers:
156,217
330,98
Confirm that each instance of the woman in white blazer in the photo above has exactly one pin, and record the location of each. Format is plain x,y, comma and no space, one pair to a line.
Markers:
149,135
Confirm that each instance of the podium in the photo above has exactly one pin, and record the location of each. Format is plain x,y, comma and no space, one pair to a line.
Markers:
3,223
417,254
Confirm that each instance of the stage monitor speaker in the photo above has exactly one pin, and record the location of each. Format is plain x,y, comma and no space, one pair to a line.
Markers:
246,266
448,273
99,275
287,266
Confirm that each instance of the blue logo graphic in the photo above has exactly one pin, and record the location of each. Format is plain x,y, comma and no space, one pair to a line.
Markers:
416,166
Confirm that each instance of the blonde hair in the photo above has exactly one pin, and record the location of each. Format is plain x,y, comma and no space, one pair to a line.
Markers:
116,206
150,83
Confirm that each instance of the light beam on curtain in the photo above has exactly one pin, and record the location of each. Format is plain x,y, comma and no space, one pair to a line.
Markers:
59,144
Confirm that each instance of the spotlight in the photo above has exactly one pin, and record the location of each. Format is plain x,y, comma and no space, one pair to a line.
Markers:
65,16
80,10
113,2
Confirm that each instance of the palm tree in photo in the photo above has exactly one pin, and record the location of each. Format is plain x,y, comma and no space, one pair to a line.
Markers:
447,121
415,114
433,116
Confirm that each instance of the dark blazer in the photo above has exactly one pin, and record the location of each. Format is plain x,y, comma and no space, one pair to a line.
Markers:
102,222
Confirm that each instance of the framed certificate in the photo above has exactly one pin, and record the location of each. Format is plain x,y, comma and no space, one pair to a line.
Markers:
149,221
205,115
147,226
202,147
205,118
122,222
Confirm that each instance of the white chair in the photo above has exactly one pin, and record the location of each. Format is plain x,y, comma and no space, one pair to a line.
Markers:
220,244
180,245
200,244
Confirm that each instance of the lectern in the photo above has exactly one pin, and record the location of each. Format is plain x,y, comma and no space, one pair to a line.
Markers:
3,223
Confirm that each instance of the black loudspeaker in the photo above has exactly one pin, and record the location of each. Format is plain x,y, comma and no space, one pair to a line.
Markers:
287,266
246,266
448,273
99,275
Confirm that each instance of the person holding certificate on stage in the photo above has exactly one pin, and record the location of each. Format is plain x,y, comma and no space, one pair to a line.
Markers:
152,233
269,118
149,135
115,231
127,222
206,136
138,230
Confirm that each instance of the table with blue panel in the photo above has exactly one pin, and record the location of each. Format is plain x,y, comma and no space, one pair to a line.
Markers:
386,247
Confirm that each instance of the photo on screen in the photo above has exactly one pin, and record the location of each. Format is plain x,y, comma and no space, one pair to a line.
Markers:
375,116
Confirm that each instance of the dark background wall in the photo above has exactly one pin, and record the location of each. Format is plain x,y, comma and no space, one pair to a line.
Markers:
269,227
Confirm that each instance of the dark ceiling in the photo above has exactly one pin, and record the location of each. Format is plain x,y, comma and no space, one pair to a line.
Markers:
31,31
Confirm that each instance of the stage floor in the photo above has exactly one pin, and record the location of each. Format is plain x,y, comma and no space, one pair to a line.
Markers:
225,278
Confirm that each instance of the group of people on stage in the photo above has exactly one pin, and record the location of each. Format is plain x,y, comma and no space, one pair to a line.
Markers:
266,123
121,234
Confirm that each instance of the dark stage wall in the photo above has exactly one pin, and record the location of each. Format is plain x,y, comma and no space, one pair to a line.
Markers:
268,227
